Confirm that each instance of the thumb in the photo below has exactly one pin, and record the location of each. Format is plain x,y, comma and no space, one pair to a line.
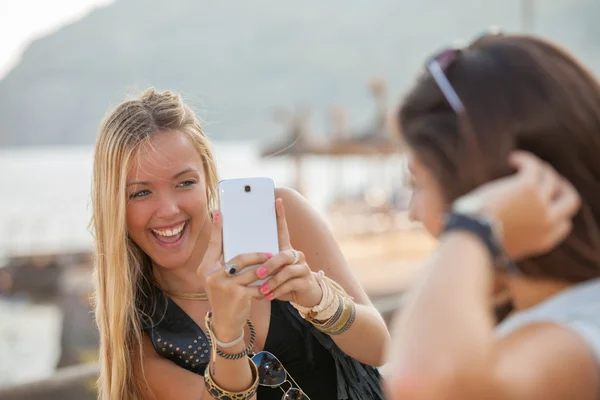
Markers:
527,165
215,244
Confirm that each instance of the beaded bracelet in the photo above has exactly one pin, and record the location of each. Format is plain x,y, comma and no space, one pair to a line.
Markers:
219,393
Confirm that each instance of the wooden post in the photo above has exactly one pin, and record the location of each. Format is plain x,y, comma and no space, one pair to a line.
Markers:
297,128
337,121
379,92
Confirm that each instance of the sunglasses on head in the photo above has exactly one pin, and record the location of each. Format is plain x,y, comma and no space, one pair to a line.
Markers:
272,373
439,64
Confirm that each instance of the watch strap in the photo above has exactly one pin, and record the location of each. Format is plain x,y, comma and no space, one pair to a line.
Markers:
484,230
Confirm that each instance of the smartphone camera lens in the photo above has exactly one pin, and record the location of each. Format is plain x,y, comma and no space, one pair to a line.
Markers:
247,188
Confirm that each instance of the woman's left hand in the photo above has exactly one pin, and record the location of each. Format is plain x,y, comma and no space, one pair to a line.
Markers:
291,277
534,206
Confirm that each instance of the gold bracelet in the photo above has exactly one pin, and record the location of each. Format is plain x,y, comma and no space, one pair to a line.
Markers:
336,326
219,393
348,323
330,321
341,321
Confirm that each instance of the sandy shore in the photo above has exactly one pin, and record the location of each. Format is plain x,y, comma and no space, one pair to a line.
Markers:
387,263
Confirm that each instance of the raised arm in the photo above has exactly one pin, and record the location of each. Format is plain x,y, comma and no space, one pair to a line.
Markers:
445,346
368,337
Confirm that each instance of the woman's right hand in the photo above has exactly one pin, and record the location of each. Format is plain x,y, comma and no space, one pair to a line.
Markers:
230,297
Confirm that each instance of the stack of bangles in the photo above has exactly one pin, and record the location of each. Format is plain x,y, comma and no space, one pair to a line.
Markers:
213,389
336,312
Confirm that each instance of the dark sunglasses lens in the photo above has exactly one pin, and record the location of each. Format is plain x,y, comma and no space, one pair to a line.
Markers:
270,370
295,394
446,57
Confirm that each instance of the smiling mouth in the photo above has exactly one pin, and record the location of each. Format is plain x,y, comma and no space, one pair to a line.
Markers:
170,236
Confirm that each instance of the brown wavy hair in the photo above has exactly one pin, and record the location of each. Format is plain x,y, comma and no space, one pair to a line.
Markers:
518,92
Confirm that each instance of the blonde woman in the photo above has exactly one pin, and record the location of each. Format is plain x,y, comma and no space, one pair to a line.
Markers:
174,322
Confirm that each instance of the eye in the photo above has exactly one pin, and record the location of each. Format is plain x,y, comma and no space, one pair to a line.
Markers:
141,193
189,182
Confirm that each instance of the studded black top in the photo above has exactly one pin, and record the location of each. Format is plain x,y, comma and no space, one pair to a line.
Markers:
316,363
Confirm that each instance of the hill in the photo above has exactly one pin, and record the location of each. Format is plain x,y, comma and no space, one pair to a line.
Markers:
237,61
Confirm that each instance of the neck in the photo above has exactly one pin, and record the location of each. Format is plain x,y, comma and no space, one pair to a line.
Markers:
528,292
185,278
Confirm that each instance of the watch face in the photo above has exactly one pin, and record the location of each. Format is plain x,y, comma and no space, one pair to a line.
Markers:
473,206
469,204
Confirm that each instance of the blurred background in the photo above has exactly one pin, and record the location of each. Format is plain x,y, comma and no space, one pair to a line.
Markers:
303,92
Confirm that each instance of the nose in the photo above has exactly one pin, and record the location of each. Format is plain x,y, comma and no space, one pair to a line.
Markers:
167,207
413,214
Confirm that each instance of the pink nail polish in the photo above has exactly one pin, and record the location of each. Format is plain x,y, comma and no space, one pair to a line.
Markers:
269,296
269,256
261,272
264,288
216,217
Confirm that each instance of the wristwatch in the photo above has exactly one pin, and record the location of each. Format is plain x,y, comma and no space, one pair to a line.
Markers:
467,214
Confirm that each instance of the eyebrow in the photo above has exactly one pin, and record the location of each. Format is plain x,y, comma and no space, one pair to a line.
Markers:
177,175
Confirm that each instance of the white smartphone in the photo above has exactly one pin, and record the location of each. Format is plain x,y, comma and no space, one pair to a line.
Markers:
249,218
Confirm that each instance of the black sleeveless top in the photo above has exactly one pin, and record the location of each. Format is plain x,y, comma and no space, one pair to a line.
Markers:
314,361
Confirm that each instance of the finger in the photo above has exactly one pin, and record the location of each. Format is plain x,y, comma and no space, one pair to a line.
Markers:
556,236
215,244
283,234
252,292
247,276
280,260
246,266
242,261
566,203
286,289
521,158
225,285
234,293
293,278
528,166
549,182
267,268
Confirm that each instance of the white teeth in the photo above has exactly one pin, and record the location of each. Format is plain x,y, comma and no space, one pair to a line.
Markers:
169,232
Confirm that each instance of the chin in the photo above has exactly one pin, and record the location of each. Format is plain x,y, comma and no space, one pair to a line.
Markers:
172,261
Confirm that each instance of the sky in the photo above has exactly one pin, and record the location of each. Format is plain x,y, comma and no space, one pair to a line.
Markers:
22,21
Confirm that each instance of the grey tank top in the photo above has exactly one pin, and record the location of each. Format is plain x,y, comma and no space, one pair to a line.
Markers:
577,308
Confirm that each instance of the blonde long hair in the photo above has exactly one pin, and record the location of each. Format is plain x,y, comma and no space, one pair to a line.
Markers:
121,268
